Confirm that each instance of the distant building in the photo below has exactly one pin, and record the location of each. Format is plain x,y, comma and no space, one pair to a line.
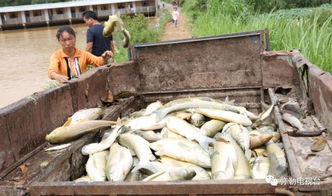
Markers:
68,12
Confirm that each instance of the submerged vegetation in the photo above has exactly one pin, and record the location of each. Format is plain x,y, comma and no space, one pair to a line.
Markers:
306,29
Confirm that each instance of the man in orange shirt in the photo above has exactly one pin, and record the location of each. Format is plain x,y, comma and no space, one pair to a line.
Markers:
70,62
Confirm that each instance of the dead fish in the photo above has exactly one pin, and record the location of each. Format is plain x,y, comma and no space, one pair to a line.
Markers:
212,127
150,136
293,121
146,123
119,163
85,114
319,144
152,107
294,108
224,159
96,166
182,149
269,130
176,174
58,147
105,143
109,26
264,115
278,164
141,148
242,169
226,116
187,130
239,133
260,168
201,173
186,103
197,119
257,140
72,131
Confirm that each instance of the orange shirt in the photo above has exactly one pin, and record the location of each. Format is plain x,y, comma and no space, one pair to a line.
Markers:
59,65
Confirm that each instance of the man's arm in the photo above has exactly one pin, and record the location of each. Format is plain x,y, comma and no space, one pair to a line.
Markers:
89,46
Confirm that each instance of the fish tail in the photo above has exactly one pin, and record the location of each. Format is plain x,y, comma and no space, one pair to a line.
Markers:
144,165
92,148
160,114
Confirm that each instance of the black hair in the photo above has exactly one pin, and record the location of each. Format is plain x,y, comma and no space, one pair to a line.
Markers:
90,14
62,29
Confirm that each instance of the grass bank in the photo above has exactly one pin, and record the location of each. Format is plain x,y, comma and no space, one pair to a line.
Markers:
140,31
309,30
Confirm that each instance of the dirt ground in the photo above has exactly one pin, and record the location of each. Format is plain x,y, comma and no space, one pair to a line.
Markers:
180,32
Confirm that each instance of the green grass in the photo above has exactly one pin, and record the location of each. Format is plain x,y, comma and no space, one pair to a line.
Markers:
309,30
140,32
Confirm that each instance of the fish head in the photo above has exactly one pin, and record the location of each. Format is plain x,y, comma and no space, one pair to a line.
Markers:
56,135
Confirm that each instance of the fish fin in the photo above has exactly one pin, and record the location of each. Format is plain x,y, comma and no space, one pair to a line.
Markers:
67,123
228,101
205,141
147,166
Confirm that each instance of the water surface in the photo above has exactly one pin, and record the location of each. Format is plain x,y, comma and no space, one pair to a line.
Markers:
24,57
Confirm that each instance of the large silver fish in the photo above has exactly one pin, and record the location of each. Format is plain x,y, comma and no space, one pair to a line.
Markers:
239,133
146,123
141,148
260,169
278,164
182,149
186,103
242,170
119,163
187,130
96,166
72,131
212,127
85,114
226,116
292,120
105,143
223,159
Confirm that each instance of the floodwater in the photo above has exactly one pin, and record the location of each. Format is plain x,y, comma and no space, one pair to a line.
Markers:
24,60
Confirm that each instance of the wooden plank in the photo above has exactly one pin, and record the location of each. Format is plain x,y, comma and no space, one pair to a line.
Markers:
156,188
290,154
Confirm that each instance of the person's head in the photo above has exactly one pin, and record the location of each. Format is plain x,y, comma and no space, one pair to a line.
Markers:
66,37
89,17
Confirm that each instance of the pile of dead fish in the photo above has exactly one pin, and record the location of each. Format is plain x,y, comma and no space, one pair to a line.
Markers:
184,139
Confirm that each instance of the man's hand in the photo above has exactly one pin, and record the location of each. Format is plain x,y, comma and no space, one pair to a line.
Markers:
60,78
107,55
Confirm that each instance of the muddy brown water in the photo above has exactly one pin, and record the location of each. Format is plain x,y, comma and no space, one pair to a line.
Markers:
24,57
